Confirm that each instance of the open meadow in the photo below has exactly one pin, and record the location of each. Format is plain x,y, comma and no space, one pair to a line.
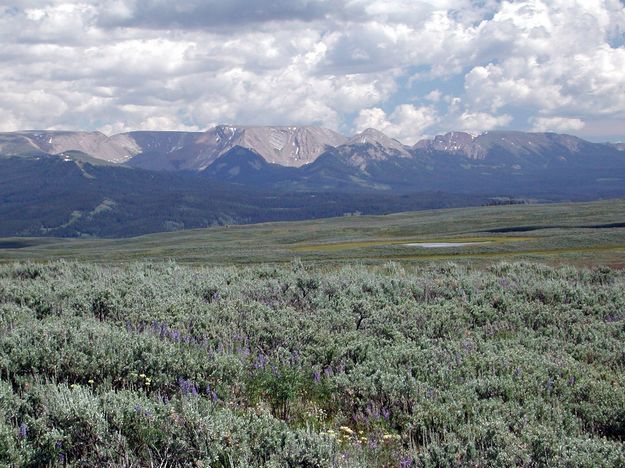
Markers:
322,343
581,234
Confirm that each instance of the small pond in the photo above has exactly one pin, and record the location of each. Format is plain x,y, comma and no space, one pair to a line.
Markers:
438,245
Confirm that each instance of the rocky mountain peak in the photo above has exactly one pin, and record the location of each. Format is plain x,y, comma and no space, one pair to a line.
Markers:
116,149
285,145
515,143
381,145
290,146
461,143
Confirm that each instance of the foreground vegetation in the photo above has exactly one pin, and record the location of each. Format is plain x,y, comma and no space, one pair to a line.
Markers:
514,364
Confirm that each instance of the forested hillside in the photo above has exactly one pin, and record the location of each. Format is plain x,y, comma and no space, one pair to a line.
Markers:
49,196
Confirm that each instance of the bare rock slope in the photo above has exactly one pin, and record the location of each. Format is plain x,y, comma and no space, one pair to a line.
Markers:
288,146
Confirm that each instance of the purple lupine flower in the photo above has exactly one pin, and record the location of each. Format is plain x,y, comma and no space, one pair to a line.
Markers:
261,361
372,443
215,296
175,335
405,462
373,411
214,396
185,386
138,408
458,358
23,430
208,390
328,371
317,376
59,446
386,413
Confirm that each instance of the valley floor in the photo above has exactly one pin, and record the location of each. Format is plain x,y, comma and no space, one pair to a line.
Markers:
584,234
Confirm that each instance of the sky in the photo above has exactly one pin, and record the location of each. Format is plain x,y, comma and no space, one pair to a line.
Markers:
409,68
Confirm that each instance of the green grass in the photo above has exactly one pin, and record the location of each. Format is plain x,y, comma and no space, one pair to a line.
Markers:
370,239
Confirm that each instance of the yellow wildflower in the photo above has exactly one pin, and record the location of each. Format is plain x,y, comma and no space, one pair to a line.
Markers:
347,430
90,382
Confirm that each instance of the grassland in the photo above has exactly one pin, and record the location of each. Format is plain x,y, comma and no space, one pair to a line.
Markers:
583,234
321,343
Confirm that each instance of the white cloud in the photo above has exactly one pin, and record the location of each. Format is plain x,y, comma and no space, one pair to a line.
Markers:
475,122
406,123
553,57
434,96
123,64
556,124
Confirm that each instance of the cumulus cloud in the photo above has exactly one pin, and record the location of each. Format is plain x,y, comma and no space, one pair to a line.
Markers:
406,123
474,122
434,95
211,13
141,64
556,124
554,57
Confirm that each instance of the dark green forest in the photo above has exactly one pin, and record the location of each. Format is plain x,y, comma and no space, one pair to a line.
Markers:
298,365
52,197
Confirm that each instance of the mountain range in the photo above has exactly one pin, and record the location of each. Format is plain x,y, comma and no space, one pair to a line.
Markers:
287,146
101,185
